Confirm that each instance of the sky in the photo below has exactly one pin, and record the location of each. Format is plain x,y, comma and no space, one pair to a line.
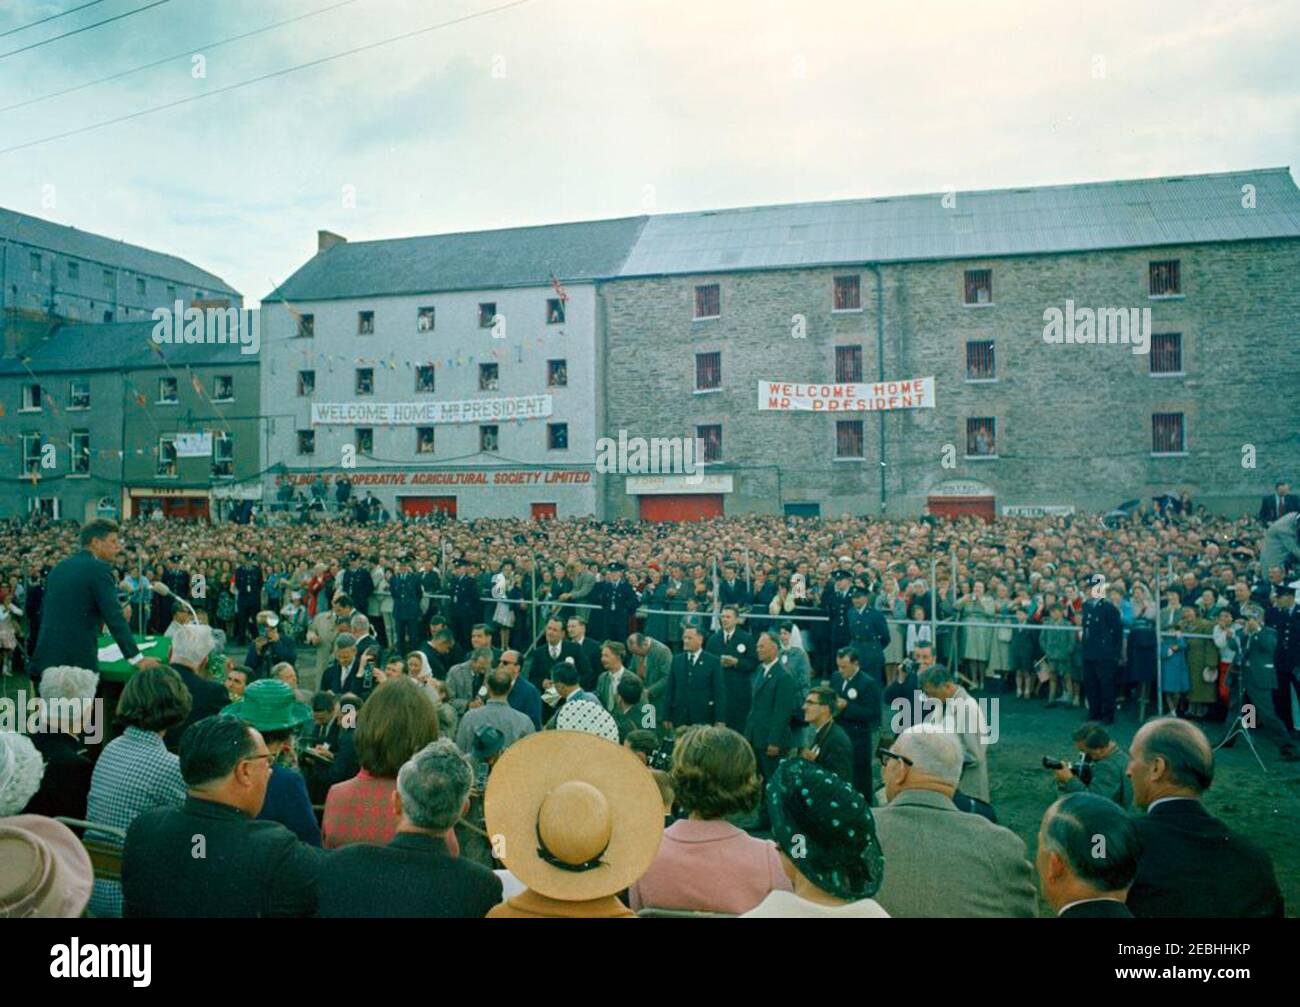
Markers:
554,110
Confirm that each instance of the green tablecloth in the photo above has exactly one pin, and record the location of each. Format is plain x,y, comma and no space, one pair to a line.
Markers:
121,671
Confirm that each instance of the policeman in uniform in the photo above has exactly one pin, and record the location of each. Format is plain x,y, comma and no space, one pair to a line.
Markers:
858,712
407,592
248,595
617,601
464,602
868,634
836,605
1103,636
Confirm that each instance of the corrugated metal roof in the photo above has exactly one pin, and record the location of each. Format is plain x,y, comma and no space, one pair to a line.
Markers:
475,260
118,346
77,244
997,222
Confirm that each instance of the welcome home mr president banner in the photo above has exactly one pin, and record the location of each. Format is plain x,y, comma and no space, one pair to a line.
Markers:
880,396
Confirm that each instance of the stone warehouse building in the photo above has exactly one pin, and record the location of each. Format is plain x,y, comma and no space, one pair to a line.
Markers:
98,419
463,373
49,270
963,288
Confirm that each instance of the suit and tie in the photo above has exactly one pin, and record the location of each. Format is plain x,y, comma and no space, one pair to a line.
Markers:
80,594
696,692
768,722
1274,506
654,669
860,718
833,750
546,656
739,676
1193,865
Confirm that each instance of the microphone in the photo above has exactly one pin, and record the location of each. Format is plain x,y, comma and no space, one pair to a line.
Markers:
166,592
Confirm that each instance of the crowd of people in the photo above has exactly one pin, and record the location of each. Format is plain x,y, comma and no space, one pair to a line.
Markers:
470,718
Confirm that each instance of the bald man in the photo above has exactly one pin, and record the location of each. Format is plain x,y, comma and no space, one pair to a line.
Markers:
1192,864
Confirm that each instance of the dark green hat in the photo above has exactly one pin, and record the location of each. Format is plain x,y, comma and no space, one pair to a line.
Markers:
269,705
825,827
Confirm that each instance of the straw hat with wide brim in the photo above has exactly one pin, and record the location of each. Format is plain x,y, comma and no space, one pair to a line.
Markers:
44,869
577,800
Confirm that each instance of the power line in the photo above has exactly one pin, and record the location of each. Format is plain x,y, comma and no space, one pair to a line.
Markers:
52,17
176,55
264,77
78,31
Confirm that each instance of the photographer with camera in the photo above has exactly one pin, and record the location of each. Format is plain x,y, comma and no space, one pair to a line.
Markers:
269,647
1097,769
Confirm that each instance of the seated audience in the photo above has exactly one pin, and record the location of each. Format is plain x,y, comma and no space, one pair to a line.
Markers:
192,645
705,862
69,697
1088,851
21,768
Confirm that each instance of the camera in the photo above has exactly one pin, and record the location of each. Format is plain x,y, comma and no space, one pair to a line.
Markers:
1081,768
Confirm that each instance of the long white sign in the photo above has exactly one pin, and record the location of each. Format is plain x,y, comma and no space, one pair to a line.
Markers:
912,393
193,445
401,414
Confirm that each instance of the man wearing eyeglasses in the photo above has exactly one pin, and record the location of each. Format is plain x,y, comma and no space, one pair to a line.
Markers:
831,746
211,856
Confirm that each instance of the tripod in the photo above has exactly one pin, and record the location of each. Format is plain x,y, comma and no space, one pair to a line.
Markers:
1238,726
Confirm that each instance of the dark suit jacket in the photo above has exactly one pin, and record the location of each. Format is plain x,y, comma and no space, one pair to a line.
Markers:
1268,512
835,752
209,698
696,695
1103,633
80,595
540,664
1097,909
249,868
739,677
66,782
411,876
333,675
774,701
1193,865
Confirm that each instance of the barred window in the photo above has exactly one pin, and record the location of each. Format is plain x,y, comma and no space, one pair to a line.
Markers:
424,378
306,382
223,455
1167,434
424,440
981,437
711,436
306,442
365,381
848,293
848,364
979,286
708,301
81,452
708,371
557,436
1166,353
1165,279
849,439
980,361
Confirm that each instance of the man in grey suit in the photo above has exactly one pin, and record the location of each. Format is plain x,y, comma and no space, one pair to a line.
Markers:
767,728
940,861
653,663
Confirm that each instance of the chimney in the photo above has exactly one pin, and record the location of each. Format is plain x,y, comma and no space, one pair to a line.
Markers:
328,239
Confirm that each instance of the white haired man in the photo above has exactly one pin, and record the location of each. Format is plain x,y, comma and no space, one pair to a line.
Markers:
192,645
982,867
71,719
414,875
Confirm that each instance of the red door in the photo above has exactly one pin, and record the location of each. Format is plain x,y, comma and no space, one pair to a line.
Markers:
543,511
980,507
681,507
415,506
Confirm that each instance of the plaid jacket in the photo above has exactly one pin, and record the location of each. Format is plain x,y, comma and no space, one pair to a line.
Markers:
359,810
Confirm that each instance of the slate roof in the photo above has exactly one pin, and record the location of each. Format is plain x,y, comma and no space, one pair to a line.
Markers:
117,346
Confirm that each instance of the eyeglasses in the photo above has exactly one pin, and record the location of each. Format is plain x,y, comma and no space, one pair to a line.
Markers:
885,755
254,758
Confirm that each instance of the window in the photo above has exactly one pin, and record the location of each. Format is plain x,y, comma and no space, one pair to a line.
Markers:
424,319
711,436
108,316
557,374
223,388
78,394
424,380
32,396
848,293
306,442
306,326
365,381
306,382
981,437
1165,279
171,291
424,440
365,323
1166,353
487,438
74,269
848,364
979,361
849,439
140,286
167,456
223,455
365,440
168,394
554,311
557,437
486,313
81,452
708,371
489,377
36,263
979,286
1167,434
110,281
31,453
708,301
47,507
